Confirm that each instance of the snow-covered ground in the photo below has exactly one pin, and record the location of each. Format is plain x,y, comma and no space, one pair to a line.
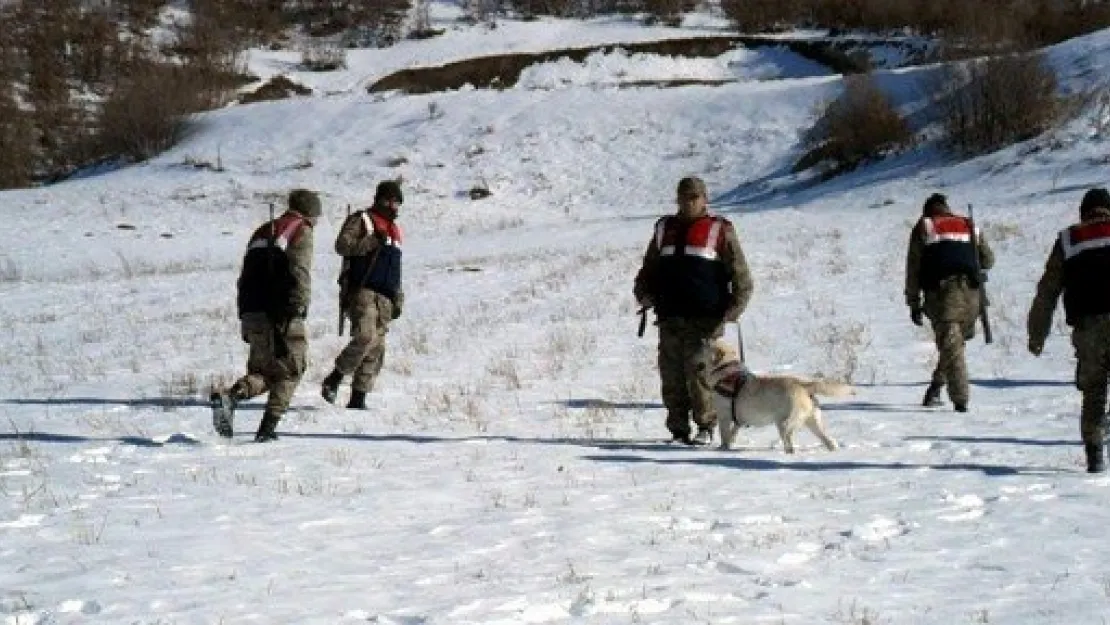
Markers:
512,468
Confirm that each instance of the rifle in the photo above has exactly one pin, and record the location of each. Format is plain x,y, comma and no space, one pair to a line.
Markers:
342,282
643,320
981,276
740,340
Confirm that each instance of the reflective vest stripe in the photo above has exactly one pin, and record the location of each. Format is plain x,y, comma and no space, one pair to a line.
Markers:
376,223
702,239
1083,237
288,232
938,229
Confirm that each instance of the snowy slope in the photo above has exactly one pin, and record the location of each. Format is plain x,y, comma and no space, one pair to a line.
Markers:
512,469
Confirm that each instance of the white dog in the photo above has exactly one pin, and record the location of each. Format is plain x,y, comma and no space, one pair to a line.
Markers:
744,399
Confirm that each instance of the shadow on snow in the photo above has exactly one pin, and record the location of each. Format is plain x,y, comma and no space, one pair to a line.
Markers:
763,464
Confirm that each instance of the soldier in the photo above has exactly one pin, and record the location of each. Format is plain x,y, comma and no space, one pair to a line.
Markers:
942,263
1078,267
371,292
696,278
274,288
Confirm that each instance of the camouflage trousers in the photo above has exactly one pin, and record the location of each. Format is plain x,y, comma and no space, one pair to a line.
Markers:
1091,339
364,355
951,369
953,310
266,370
686,394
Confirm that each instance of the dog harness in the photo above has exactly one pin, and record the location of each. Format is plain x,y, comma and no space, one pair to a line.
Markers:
732,383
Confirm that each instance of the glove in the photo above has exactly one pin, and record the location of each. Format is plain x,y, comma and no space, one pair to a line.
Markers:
915,316
1036,346
732,314
396,312
645,301
295,312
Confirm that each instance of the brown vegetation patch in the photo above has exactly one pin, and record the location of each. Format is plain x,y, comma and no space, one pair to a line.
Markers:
678,82
859,126
503,71
987,105
277,88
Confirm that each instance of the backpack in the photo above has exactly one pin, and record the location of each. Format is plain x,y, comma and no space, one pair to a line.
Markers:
266,282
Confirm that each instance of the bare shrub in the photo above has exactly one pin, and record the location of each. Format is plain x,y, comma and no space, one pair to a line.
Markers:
669,12
506,370
178,390
858,126
760,15
9,271
530,9
147,112
17,136
842,344
318,57
990,104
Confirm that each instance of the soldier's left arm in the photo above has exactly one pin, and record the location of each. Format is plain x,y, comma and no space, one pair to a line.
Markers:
913,268
741,276
1049,288
398,303
986,254
300,265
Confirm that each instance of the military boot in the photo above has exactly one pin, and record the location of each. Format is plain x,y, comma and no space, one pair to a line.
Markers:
330,388
223,405
357,401
1096,458
703,437
932,395
267,429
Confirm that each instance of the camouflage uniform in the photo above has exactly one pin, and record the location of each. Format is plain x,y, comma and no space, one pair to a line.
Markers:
682,330
372,295
1077,269
277,356
951,300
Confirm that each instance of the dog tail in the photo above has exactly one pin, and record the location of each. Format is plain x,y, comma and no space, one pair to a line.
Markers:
828,388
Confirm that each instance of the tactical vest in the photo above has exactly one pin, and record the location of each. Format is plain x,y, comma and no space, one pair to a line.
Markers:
691,279
266,281
379,271
1086,250
949,251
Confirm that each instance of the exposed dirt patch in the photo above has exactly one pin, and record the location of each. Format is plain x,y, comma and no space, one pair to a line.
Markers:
277,88
503,71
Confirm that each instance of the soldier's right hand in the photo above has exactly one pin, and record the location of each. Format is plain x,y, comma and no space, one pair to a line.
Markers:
1035,346
916,316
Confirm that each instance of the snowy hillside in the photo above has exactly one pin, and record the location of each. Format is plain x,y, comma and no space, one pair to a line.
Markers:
512,469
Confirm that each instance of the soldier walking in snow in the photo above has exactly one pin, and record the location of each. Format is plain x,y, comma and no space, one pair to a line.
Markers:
695,276
1079,268
946,262
274,290
370,293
